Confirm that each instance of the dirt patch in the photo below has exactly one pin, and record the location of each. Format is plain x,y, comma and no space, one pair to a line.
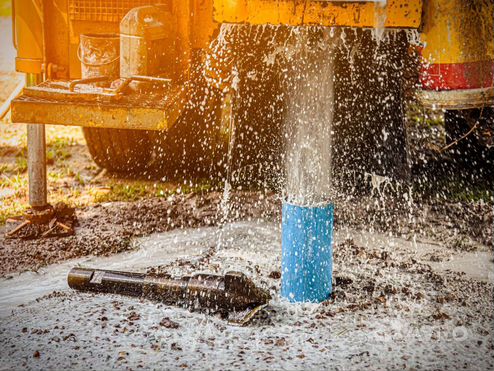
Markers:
459,225
109,228
390,310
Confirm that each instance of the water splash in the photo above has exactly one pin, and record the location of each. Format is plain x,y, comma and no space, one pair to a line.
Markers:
309,117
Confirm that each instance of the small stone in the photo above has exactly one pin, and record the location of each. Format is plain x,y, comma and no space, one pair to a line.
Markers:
134,316
343,281
168,323
175,346
440,316
280,342
381,299
276,275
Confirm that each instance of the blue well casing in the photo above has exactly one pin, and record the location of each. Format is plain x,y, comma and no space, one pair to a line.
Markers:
307,253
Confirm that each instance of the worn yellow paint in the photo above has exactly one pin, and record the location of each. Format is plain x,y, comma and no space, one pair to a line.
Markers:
111,116
202,25
458,31
395,14
28,35
456,99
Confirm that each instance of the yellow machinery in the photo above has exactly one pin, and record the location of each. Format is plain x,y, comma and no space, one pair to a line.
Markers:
458,67
147,79
47,32
397,13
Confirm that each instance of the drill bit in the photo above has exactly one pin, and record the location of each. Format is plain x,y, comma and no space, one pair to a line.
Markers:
232,293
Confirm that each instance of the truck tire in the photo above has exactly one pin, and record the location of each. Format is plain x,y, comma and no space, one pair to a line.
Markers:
469,144
369,124
258,108
190,148
193,146
369,114
119,150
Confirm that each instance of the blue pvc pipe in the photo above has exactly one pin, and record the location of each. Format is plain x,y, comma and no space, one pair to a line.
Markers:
307,253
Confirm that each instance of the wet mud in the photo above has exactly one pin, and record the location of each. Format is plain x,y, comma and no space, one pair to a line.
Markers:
397,303
109,228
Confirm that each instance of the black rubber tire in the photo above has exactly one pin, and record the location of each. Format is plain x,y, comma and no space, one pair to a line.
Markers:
258,109
369,119
193,147
369,124
119,150
470,146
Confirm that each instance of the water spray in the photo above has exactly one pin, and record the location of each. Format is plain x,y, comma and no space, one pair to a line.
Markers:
307,225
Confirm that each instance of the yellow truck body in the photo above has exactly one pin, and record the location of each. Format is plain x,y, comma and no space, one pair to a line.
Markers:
458,50
458,53
154,76
391,14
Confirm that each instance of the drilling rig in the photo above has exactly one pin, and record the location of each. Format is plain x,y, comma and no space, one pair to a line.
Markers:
134,75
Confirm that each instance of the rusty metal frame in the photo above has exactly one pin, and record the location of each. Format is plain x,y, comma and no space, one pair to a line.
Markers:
390,14
457,99
112,115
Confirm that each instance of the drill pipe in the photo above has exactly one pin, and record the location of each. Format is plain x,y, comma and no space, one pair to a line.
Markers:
233,292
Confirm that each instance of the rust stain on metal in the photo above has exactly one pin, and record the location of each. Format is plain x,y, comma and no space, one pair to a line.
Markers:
457,99
232,293
58,106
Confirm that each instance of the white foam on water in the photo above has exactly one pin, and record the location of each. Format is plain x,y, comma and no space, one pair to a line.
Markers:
91,330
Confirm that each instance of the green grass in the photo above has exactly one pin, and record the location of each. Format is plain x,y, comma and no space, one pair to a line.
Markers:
424,117
133,190
5,8
454,189
4,168
72,175
57,149
12,189
21,164
469,194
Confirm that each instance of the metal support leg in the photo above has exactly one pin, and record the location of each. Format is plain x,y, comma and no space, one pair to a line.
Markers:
50,221
36,158
36,164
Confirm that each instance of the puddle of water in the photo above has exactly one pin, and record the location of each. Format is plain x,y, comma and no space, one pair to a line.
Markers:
245,240
153,250
476,265
255,249
248,247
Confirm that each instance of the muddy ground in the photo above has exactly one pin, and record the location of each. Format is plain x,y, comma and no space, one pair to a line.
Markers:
413,288
421,303
109,228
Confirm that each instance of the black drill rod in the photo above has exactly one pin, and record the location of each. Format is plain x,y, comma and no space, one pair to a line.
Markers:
231,292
